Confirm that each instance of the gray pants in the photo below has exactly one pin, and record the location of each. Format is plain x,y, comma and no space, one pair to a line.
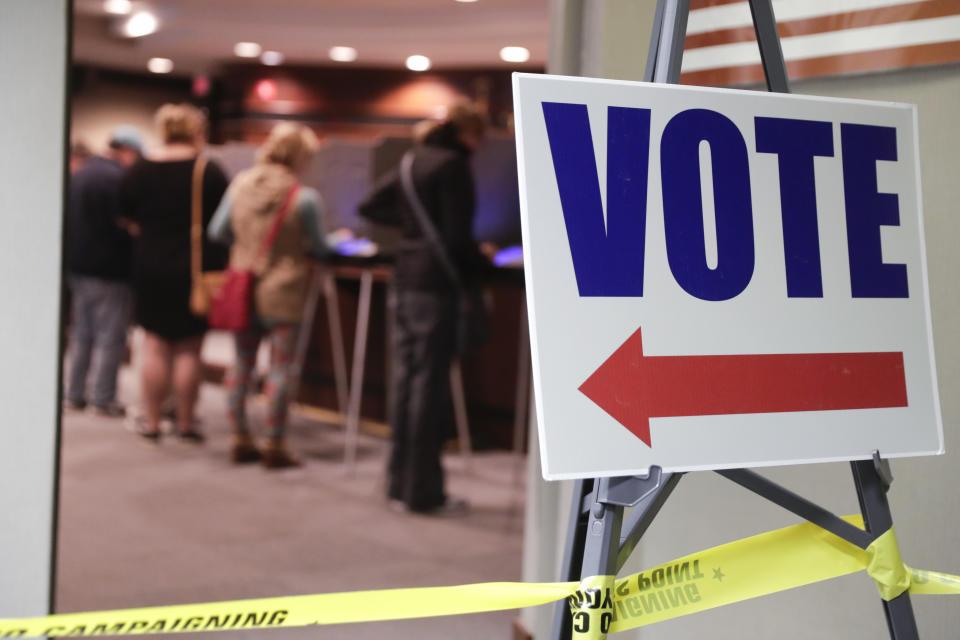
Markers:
100,313
424,337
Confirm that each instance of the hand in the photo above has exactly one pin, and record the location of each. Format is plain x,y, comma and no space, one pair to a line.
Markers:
129,226
489,249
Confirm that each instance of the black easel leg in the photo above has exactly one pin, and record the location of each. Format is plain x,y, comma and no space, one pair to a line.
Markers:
602,545
671,19
872,492
768,39
573,554
660,487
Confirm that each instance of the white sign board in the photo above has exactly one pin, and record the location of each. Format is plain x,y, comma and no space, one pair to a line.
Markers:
722,279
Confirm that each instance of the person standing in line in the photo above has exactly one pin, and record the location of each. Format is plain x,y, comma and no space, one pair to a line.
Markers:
246,215
155,197
425,301
98,273
79,154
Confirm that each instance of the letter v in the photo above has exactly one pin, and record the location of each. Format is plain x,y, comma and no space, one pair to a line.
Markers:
607,258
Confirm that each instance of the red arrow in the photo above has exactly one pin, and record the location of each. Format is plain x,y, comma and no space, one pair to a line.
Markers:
633,388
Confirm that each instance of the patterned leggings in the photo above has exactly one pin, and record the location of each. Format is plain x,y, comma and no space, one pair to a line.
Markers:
282,340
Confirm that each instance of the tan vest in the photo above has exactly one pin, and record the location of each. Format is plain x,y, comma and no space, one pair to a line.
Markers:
281,275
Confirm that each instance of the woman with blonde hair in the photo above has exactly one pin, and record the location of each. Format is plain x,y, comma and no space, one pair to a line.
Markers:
156,197
273,225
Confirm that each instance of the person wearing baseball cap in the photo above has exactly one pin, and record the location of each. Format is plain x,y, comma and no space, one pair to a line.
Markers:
98,260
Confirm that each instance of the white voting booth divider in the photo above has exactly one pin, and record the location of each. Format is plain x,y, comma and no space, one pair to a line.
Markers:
719,279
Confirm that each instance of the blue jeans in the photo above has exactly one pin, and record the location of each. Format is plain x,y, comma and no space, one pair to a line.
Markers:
100,313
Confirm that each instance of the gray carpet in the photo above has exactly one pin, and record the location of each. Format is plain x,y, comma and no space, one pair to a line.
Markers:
145,524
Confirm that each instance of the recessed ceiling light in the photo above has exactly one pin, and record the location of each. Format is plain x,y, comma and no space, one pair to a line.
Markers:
118,7
466,1
418,63
271,58
343,54
160,65
141,23
246,49
514,54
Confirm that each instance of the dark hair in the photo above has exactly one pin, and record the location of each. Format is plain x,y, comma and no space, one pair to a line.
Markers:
466,118
78,149
462,118
443,135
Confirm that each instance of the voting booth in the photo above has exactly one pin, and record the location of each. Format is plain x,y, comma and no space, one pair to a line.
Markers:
720,279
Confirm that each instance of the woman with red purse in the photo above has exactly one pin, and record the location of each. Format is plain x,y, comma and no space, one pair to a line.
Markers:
273,226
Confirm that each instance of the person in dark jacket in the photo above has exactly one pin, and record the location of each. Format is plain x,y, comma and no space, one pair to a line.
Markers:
424,304
98,272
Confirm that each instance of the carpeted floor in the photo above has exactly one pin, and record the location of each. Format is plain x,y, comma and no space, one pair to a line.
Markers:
143,524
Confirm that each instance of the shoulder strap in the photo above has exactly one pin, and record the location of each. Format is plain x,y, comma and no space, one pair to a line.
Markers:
423,219
278,217
196,216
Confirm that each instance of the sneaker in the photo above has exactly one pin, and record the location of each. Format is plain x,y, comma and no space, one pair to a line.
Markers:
244,450
275,456
138,425
192,436
110,410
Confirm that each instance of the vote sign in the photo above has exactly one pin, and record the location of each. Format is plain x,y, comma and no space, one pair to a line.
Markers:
721,278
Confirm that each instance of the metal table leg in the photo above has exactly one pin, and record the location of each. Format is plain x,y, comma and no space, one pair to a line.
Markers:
522,399
356,381
460,412
306,329
336,340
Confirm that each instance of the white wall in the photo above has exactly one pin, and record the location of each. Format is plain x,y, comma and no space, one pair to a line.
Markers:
33,38
100,105
706,510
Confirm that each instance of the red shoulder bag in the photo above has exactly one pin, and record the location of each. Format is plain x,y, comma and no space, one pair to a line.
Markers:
232,305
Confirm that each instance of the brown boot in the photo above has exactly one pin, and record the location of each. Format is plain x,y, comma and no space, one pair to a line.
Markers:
244,450
276,456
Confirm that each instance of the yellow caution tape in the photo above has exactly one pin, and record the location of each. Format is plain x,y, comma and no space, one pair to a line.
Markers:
591,608
293,611
886,567
741,570
933,583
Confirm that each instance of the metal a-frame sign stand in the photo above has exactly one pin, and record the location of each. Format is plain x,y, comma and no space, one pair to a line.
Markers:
598,540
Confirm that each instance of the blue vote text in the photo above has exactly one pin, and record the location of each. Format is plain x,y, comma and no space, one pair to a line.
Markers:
608,253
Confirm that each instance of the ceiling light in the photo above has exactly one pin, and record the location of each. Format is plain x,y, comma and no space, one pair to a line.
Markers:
465,1
343,54
514,54
418,63
141,23
271,58
118,7
246,49
160,65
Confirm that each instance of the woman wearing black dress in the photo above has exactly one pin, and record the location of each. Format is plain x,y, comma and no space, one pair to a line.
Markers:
156,196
